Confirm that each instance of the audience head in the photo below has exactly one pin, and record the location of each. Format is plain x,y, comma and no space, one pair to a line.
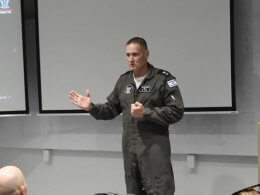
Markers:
252,192
12,181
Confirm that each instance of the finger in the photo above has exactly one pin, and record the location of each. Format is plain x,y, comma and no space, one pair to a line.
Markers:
73,94
138,104
133,107
74,100
87,93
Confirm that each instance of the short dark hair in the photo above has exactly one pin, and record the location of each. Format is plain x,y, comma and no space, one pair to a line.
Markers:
138,40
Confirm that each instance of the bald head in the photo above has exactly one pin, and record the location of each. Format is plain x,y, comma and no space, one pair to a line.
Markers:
252,192
12,181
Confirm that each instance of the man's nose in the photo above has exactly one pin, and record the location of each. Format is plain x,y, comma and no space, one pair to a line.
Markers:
131,58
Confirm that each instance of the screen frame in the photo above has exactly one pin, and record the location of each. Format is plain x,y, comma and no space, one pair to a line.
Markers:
26,110
232,108
190,110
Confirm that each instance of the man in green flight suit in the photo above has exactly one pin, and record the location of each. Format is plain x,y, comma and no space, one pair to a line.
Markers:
149,100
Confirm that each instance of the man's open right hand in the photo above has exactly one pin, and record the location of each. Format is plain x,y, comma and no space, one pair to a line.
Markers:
83,102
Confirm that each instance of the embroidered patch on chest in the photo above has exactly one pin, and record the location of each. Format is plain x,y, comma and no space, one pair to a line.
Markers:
145,89
129,89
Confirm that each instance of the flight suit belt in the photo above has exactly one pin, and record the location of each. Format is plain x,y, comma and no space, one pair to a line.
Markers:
146,128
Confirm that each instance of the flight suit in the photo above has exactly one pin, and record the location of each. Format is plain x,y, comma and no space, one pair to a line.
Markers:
145,142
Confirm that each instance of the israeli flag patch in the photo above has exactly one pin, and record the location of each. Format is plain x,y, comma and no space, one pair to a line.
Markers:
172,83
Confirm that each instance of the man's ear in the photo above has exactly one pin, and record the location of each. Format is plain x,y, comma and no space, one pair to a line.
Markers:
146,54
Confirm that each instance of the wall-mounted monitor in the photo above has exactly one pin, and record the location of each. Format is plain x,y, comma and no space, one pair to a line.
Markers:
13,85
82,45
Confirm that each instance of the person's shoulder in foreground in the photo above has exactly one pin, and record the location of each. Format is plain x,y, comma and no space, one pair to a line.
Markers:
12,181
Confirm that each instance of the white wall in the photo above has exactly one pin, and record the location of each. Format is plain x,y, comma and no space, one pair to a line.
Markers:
85,172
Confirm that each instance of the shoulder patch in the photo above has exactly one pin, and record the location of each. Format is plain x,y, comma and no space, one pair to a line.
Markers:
172,83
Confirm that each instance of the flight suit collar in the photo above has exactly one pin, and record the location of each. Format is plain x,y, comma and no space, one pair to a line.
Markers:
145,87
150,73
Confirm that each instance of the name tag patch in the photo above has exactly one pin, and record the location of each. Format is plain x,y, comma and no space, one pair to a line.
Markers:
145,89
172,83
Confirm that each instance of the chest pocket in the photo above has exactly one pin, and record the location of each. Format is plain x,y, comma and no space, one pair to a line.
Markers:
149,94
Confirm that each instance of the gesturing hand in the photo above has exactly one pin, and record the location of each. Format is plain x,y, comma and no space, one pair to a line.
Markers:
137,110
83,102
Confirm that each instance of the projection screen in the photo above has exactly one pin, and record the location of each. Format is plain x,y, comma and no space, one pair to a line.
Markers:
82,46
13,88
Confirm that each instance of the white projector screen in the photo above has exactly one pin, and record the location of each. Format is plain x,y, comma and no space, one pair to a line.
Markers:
82,46
13,88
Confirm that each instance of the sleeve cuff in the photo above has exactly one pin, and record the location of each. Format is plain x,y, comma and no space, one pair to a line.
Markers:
93,109
147,113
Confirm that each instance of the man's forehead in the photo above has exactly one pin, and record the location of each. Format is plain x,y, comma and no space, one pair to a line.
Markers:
134,48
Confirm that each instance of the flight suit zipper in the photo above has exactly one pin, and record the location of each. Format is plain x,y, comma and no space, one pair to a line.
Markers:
134,85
